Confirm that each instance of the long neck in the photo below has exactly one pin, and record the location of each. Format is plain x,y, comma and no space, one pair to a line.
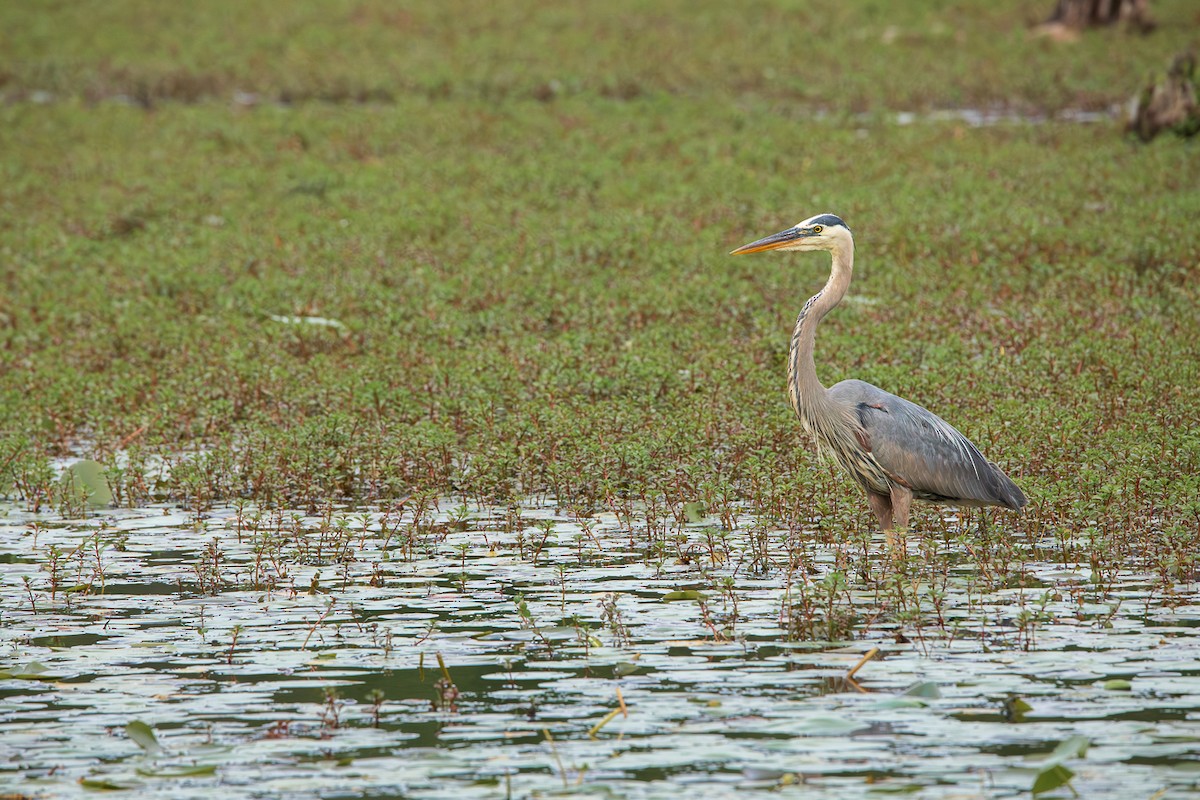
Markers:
804,387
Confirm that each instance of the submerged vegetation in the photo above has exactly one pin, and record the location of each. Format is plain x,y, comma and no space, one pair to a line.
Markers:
397,334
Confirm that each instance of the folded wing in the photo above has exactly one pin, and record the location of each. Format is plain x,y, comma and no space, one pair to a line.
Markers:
923,451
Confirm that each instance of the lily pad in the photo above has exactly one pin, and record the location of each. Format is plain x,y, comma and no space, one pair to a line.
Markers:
926,690
87,480
143,736
682,594
1051,778
178,772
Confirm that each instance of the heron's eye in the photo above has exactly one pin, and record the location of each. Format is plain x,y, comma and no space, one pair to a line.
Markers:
817,229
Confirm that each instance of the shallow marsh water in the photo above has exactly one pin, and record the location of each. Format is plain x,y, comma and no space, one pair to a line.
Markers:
287,655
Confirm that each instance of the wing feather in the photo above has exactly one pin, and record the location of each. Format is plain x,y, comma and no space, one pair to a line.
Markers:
924,452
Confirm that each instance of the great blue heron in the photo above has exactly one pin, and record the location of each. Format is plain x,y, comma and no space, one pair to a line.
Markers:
894,449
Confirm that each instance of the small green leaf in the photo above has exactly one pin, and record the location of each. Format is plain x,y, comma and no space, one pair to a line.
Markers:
1118,685
926,689
902,702
179,772
1015,709
624,668
33,671
825,726
762,773
104,785
86,478
904,788
1051,778
682,594
1068,748
143,736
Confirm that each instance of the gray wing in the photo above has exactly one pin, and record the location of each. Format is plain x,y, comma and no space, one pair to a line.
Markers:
924,451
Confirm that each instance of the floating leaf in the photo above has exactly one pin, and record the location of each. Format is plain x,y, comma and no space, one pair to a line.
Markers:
682,594
902,702
1015,709
1068,748
105,785
33,671
624,668
143,736
925,689
86,479
178,772
764,774
818,726
1118,685
904,788
1051,778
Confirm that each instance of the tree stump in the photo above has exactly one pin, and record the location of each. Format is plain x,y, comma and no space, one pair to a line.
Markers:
1076,15
1170,104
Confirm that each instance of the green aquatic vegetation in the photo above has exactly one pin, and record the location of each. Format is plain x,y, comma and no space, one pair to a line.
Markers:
599,349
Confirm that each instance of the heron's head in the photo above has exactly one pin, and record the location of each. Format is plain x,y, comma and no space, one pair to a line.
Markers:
822,232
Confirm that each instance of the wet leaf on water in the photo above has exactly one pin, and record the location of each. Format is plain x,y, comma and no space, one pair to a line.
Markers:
86,479
1052,778
693,512
178,772
624,668
143,736
105,785
1068,748
763,773
818,726
925,689
707,702
1015,709
907,788
902,702
33,671
1118,685
682,594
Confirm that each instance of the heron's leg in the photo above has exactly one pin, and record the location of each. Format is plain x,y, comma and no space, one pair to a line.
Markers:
882,506
901,502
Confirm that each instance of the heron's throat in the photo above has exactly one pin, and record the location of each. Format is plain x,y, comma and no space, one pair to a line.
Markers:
804,388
